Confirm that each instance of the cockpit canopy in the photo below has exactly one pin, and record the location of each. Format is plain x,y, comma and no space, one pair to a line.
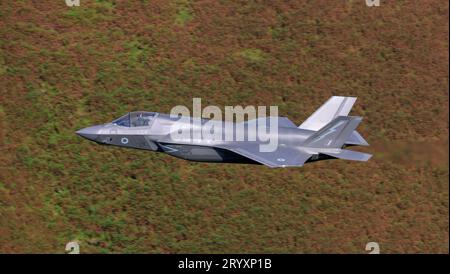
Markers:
135,119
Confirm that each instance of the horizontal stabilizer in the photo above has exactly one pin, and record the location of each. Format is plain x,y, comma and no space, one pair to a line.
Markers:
349,155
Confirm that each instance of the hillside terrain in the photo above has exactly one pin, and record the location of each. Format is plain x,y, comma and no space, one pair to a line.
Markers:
64,68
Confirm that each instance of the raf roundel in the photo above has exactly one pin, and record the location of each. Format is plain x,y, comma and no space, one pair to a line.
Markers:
124,140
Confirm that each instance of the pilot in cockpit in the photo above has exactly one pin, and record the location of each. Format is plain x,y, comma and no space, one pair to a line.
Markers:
135,119
141,121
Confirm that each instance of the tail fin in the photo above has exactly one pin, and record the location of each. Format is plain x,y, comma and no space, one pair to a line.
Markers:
334,107
334,134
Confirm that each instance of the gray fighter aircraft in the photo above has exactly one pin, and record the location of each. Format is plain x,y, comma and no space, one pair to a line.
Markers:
324,135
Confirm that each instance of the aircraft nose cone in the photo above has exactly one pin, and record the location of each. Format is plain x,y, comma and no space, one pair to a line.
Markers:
90,133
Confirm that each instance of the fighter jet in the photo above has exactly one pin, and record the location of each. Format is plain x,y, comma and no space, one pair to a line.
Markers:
324,135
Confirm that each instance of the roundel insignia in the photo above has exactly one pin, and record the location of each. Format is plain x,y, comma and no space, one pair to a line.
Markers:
124,140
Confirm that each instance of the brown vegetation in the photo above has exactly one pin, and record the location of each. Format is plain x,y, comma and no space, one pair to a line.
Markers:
64,68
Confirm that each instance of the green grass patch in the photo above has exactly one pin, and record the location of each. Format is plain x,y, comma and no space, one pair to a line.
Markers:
184,13
253,55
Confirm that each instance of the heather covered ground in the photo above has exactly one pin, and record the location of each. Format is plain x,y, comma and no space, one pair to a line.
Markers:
64,68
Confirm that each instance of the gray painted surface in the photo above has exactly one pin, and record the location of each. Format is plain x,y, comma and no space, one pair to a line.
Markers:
322,136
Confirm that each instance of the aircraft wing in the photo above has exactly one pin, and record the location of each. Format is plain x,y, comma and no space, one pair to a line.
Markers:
282,157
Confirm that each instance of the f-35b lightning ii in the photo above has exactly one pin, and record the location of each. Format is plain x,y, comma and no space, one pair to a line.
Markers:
324,135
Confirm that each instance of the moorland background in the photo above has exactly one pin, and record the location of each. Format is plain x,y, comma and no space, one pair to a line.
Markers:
64,68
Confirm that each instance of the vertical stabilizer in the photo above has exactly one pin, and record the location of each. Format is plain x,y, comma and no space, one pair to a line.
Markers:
334,134
334,107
